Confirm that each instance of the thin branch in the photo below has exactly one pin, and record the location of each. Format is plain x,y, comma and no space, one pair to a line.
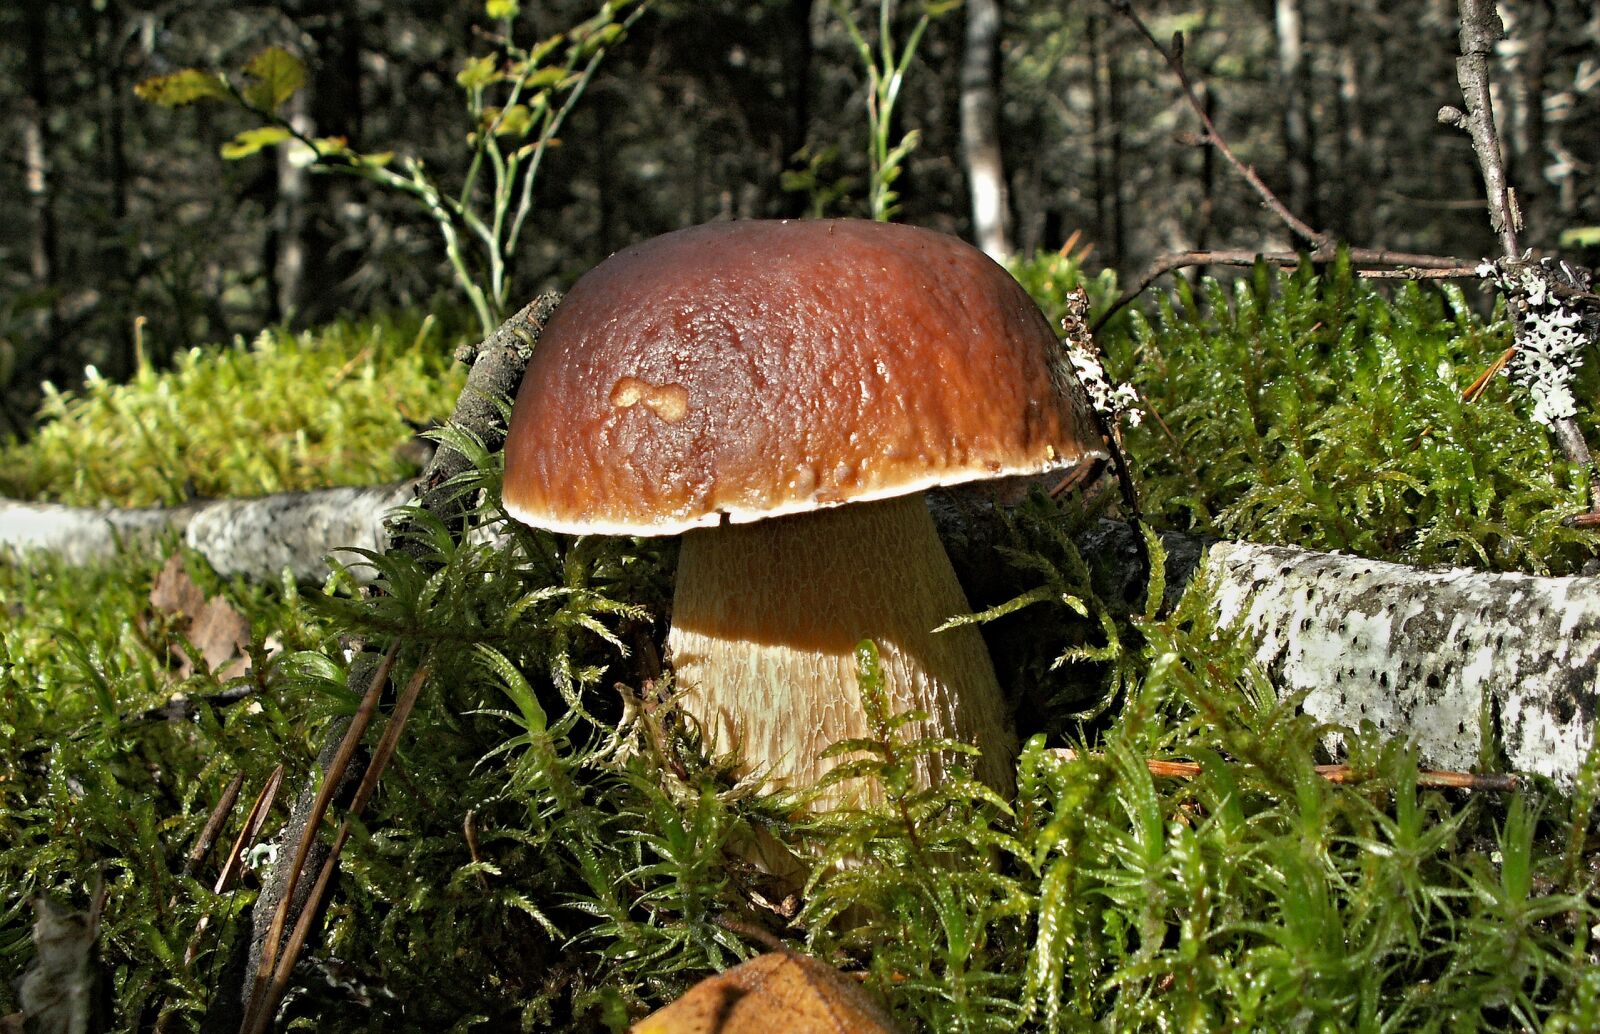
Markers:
213,828
1324,246
1414,273
1480,31
233,864
1498,781
1174,59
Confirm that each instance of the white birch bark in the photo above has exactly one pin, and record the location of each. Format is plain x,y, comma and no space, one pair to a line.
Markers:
1425,654
258,538
980,130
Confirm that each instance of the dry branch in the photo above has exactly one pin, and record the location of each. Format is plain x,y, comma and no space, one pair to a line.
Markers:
1321,245
1519,279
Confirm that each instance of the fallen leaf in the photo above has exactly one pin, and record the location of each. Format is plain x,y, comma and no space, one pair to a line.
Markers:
779,992
222,635
214,628
174,592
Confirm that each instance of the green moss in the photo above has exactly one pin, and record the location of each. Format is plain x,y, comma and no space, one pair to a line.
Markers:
89,790
1312,410
284,412
551,849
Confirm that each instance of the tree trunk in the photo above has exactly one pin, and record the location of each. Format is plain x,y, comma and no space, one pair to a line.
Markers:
287,244
1350,139
107,45
306,216
38,175
1294,85
1097,141
1524,53
980,130
1115,160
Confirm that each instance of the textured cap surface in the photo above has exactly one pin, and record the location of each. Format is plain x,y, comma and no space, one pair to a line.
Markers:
751,369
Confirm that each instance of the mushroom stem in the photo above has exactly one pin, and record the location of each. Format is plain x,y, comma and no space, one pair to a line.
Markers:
764,626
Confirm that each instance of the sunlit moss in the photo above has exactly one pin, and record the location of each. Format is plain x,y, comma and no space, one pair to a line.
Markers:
285,411
1314,411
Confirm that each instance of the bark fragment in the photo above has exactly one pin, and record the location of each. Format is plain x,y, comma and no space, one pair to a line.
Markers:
1423,654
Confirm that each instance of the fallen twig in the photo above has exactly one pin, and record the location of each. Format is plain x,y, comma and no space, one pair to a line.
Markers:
234,863
182,708
213,827
1346,774
1494,781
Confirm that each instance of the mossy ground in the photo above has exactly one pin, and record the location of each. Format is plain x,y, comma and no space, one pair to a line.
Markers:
1256,896
280,413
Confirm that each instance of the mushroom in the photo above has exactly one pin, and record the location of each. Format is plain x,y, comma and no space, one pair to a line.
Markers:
781,394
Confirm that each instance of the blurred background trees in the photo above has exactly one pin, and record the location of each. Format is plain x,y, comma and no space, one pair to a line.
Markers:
1041,118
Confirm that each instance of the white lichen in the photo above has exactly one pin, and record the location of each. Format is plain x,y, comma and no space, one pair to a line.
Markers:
1113,401
1550,334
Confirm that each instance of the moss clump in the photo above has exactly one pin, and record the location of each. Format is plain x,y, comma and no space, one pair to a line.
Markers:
1314,410
91,791
284,412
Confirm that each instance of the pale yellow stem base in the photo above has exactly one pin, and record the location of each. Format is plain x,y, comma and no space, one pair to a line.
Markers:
764,627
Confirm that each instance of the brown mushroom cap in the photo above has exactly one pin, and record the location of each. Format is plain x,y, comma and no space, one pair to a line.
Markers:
747,370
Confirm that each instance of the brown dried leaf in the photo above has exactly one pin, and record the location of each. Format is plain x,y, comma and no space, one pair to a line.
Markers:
174,591
781,991
219,632
222,635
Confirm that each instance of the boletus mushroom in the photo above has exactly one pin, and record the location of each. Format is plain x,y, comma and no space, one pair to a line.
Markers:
781,394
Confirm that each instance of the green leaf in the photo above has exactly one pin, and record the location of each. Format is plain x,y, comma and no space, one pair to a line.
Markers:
607,35
275,75
514,121
185,86
545,77
478,72
1581,237
335,145
252,140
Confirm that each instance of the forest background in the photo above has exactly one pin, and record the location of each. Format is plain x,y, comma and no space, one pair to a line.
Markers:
120,210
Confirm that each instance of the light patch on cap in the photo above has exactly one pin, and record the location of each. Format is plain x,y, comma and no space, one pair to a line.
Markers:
670,402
